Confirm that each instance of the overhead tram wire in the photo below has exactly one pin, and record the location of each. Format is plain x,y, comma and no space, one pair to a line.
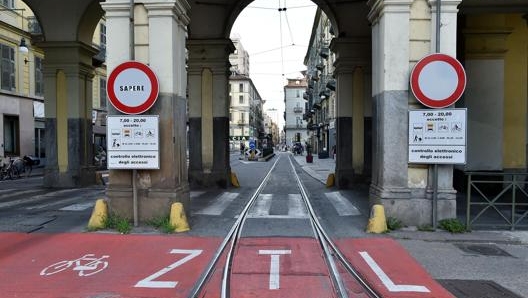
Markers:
288,23
276,49
272,8
280,36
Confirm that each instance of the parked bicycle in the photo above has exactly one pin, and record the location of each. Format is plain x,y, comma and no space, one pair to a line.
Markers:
9,169
13,167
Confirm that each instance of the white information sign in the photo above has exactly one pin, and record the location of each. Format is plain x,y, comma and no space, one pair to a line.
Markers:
133,142
437,136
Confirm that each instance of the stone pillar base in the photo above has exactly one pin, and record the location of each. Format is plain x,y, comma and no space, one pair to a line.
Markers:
414,206
198,179
70,179
346,178
152,203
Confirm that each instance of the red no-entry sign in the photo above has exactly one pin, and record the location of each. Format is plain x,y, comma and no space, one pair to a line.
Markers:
132,87
438,80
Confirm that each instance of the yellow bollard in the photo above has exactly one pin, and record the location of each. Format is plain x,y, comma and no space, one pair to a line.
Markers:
377,222
178,219
330,180
234,180
99,215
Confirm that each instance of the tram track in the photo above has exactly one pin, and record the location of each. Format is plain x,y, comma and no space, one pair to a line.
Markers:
336,262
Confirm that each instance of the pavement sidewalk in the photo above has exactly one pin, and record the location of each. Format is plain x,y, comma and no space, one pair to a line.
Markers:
319,169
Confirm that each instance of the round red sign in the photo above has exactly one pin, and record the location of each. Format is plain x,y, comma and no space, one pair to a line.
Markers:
438,80
132,87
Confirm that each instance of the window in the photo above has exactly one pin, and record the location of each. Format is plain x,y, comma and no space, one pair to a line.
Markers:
102,36
242,117
8,68
8,3
298,93
39,77
241,87
102,93
241,99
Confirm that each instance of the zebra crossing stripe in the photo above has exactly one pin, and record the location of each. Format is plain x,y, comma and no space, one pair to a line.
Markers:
341,204
78,207
195,194
296,207
220,204
13,192
262,206
36,198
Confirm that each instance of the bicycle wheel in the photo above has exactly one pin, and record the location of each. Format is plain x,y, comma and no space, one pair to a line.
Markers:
97,268
16,171
55,268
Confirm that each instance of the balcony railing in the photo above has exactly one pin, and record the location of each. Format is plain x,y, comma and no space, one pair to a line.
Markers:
297,110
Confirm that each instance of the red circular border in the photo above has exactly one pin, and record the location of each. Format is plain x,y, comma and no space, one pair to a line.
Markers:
114,100
424,99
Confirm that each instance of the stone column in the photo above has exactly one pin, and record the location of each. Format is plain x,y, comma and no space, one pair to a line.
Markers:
390,34
160,32
68,74
352,59
394,182
209,163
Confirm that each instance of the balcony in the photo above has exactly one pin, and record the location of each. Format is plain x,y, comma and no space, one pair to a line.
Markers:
297,109
241,122
34,26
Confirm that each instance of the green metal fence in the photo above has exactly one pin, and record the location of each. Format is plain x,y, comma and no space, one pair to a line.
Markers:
497,200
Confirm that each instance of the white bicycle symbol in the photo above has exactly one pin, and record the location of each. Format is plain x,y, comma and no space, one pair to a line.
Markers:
87,262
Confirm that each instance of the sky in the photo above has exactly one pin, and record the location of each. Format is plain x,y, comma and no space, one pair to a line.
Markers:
276,42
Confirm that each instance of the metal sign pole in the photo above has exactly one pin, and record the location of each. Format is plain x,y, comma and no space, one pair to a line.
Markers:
435,168
134,172
435,195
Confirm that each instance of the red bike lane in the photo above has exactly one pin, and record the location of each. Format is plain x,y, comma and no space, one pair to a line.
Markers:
94,264
112,265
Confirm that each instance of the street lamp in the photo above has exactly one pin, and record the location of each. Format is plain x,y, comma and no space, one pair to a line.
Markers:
23,48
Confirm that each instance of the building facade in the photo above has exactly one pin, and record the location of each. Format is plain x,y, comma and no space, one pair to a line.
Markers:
295,126
246,117
22,88
22,113
245,112
320,92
